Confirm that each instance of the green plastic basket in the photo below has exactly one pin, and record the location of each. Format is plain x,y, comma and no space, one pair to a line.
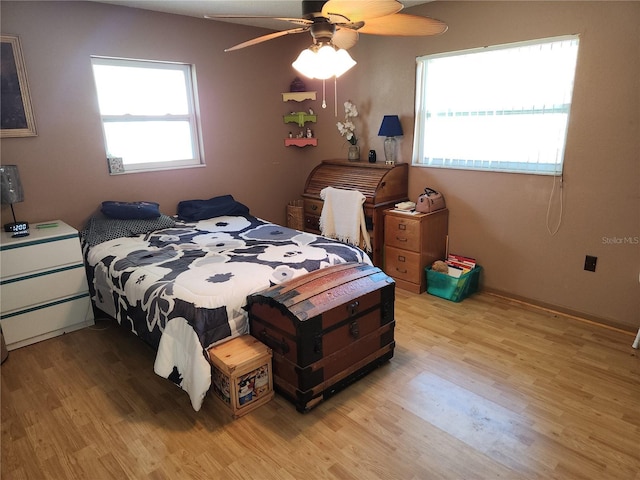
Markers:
451,288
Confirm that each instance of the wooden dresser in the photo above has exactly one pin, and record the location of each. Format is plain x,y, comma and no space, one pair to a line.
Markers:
413,242
382,185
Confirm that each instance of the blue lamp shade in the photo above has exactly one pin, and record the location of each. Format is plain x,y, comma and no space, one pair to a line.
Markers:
390,126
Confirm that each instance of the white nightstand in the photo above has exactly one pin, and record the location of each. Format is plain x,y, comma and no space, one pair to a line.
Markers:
43,285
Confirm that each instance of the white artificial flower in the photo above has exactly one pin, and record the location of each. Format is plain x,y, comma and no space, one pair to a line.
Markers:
348,128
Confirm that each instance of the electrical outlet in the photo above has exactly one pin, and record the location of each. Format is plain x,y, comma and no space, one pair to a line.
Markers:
590,263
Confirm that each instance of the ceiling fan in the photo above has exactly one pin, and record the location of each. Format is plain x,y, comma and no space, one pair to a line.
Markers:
341,21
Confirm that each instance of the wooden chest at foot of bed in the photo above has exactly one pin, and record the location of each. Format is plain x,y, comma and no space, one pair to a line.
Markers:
326,329
241,374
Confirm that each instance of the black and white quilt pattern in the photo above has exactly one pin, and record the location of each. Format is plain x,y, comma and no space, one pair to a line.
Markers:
183,289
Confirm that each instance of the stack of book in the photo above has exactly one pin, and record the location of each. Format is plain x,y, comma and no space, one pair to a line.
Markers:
459,265
405,207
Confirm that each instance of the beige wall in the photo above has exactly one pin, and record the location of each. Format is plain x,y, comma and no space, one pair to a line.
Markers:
498,218
501,219
64,168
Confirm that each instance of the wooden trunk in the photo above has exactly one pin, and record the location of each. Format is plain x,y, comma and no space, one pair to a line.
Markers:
382,185
326,329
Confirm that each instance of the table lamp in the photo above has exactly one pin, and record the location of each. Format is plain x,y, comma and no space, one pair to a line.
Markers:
11,192
390,128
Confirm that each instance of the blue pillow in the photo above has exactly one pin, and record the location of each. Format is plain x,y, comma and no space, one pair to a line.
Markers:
196,210
131,210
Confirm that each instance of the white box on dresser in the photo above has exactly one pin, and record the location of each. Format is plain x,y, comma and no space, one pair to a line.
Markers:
43,285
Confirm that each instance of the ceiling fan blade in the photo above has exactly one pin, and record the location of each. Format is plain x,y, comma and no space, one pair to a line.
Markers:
264,38
339,11
345,38
403,25
296,21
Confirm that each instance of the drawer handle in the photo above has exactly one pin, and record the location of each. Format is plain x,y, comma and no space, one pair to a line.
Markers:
354,329
400,270
401,239
314,207
274,343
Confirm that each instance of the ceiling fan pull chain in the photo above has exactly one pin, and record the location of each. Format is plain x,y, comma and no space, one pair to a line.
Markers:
335,96
324,102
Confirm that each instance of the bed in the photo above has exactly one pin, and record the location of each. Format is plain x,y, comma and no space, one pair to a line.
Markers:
181,285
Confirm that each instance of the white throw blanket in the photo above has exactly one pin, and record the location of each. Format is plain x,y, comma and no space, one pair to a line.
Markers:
342,216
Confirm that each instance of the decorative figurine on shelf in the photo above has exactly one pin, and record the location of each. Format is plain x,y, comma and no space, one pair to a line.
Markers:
311,111
309,133
290,135
297,85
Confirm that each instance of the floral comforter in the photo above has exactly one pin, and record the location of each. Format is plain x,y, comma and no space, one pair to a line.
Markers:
183,289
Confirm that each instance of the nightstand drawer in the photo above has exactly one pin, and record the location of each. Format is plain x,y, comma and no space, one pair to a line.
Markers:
402,232
403,264
40,255
24,292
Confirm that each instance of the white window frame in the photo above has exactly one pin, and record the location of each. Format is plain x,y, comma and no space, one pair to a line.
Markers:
484,128
132,164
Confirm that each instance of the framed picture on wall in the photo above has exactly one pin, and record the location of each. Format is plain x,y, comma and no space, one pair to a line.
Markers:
16,115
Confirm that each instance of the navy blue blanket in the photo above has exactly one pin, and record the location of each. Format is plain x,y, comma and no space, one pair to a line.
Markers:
196,210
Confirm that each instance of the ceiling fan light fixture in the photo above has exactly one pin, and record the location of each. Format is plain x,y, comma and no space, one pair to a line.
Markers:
344,62
323,61
305,63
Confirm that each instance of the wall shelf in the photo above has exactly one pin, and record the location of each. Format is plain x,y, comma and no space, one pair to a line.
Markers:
298,96
300,142
300,118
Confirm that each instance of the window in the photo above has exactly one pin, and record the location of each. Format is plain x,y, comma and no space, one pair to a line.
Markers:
503,108
148,112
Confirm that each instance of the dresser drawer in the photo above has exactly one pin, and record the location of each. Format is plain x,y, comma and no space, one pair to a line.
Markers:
47,322
403,264
26,291
38,256
402,232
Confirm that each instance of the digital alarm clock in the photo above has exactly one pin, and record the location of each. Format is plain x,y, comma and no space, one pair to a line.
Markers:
19,229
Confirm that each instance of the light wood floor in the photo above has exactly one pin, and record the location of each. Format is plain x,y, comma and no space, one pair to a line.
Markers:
482,389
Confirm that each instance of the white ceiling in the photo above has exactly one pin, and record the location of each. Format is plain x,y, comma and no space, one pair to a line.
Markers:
200,8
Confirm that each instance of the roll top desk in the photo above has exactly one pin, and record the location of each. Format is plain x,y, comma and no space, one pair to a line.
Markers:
382,185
